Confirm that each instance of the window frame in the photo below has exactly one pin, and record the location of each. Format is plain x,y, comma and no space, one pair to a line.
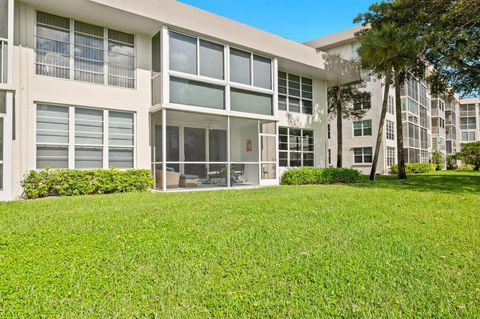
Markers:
363,148
363,128
225,82
71,69
301,152
300,97
72,145
390,130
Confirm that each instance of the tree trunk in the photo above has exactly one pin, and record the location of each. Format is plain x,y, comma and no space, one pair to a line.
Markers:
338,105
398,110
388,79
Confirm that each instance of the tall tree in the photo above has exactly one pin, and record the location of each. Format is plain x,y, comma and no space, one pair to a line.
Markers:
404,57
447,31
346,102
377,51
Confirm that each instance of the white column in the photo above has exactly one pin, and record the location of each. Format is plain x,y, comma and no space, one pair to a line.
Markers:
10,42
164,150
164,39
7,148
105,139
71,137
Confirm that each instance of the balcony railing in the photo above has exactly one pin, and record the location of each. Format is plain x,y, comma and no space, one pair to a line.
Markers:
3,61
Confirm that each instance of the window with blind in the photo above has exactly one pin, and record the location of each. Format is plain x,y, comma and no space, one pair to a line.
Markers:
94,50
81,145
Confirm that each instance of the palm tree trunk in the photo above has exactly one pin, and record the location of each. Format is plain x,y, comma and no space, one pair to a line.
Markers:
338,104
398,110
381,125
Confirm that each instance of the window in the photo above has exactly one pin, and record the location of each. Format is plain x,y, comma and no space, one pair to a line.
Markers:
156,53
240,68
295,93
296,147
468,136
197,93
121,59
328,131
183,53
251,102
53,46
390,130
211,60
362,155
329,156
4,19
391,104
54,50
250,69
52,136
88,138
363,101
3,40
362,128
390,156
467,123
262,72
89,54
82,144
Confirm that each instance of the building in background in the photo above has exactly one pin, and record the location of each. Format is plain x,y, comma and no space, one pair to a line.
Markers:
469,114
424,118
200,100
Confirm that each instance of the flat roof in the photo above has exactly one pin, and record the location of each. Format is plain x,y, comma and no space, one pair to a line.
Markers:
336,39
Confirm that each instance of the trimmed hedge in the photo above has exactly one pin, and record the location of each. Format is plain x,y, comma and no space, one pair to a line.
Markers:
415,168
69,182
313,176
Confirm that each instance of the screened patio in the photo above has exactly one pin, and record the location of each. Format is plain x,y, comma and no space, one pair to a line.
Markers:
200,151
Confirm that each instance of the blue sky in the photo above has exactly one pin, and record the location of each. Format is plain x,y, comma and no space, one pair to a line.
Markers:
298,20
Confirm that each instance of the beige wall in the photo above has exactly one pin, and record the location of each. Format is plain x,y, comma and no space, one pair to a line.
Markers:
32,88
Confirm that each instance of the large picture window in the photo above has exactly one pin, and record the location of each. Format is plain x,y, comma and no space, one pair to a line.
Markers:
90,52
197,76
295,93
81,144
296,147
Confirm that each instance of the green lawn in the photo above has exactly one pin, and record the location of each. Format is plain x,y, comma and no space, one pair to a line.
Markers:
383,250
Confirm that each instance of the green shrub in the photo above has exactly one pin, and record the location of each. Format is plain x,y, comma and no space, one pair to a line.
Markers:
312,176
415,168
466,167
68,182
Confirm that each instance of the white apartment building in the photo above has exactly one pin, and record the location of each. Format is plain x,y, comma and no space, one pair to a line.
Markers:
200,100
469,114
423,118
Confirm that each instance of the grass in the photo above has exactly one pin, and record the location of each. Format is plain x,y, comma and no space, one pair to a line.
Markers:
387,249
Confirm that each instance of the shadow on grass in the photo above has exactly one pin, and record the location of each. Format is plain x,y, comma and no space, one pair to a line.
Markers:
447,182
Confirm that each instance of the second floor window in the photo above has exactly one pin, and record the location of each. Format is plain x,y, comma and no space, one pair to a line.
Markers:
71,49
390,130
295,93
362,128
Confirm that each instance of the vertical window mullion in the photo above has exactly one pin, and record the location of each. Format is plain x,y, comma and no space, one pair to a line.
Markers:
301,145
105,139
251,69
71,137
105,56
72,49
198,56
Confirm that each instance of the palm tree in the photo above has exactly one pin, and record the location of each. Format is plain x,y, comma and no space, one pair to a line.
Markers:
388,51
